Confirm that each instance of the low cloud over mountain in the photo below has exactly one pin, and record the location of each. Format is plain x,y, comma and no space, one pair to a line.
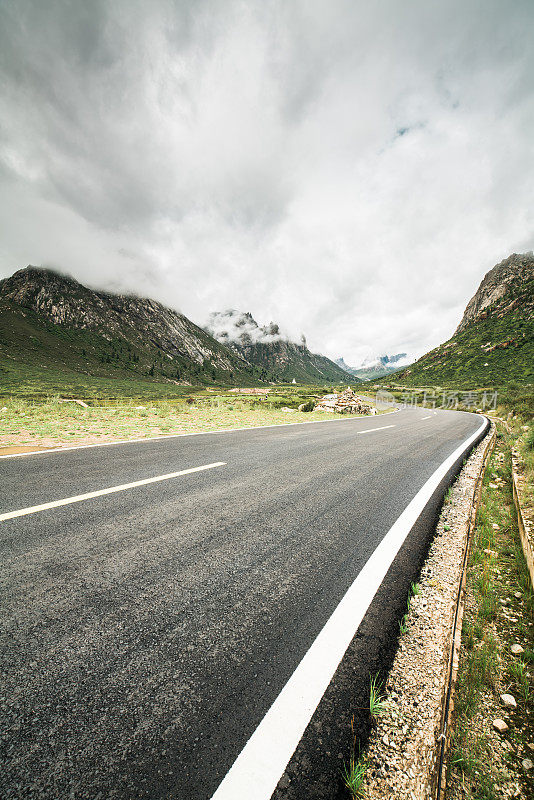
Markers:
267,349
340,167
233,326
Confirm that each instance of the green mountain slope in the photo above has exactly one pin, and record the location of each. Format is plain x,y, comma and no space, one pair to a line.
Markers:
494,343
276,357
286,361
56,333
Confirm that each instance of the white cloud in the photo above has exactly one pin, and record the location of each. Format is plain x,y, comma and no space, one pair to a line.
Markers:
350,170
233,327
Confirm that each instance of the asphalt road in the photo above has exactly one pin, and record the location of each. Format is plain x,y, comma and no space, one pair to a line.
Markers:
146,632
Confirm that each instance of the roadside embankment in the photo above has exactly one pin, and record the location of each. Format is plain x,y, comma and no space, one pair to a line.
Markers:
492,748
401,759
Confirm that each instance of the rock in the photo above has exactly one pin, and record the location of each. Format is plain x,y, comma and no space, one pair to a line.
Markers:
507,746
500,725
490,552
496,285
517,649
527,764
518,595
508,701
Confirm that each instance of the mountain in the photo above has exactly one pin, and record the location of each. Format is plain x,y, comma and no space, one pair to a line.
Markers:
52,327
506,284
277,358
341,363
494,342
371,369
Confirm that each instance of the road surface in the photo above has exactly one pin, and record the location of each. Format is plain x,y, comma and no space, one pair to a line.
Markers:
148,629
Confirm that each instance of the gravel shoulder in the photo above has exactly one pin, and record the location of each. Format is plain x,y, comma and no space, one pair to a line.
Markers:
400,760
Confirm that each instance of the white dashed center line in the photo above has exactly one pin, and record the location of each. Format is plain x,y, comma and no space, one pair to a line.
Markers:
383,428
89,495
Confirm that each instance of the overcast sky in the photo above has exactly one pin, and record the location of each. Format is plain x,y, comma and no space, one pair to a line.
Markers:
348,169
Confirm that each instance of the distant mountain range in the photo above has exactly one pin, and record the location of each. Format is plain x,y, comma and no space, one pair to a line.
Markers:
54,330
274,355
374,368
494,342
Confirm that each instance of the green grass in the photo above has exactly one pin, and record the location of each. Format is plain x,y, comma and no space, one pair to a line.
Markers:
471,763
54,422
415,589
377,702
518,674
354,775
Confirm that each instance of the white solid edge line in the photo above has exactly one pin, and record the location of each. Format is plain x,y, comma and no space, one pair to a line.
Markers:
22,512
383,428
260,765
176,436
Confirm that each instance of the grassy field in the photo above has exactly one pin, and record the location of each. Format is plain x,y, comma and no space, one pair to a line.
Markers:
40,383
55,422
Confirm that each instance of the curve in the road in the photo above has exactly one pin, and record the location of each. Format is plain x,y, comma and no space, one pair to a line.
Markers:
148,632
260,765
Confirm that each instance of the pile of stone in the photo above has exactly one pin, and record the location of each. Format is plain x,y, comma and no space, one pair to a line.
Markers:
346,402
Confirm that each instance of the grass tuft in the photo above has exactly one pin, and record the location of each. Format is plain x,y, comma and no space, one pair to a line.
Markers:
353,776
378,704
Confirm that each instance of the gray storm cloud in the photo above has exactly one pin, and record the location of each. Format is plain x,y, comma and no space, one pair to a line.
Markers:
349,169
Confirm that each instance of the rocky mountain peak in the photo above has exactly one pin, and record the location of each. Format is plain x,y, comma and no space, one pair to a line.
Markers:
137,321
269,350
511,274
25,284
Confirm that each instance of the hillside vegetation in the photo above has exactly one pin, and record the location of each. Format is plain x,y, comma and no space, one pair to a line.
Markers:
265,348
58,336
494,343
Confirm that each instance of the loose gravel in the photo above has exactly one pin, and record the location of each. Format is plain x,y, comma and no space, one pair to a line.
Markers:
402,751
